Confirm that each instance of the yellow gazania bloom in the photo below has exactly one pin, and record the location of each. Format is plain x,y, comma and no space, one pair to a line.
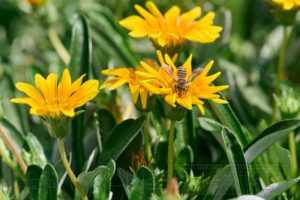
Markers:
172,28
196,90
288,4
128,76
54,101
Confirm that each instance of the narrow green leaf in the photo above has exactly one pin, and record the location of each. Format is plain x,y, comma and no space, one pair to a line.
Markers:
33,176
237,162
120,137
219,184
229,119
48,184
268,137
142,185
126,179
276,189
80,63
80,49
102,183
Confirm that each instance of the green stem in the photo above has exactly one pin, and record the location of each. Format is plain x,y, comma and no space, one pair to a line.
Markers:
171,150
293,151
147,138
68,168
13,149
280,67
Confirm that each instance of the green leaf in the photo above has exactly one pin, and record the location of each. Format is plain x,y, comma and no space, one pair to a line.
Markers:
86,180
184,159
268,137
126,179
237,162
33,175
230,120
106,123
80,49
120,137
102,182
219,184
142,185
281,129
276,189
36,149
48,184
80,63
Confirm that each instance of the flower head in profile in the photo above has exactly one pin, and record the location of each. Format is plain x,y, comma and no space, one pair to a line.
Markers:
51,100
172,28
128,76
287,4
182,86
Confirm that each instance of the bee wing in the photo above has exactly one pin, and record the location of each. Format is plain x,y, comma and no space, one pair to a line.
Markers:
169,70
196,72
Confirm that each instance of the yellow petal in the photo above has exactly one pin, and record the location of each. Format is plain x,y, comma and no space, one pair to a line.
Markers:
160,57
185,101
118,84
148,16
30,91
156,90
121,72
171,99
169,61
201,109
41,83
76,84
220,101
188,66
85,93
52,85
189,16
172,15
69,113
144,96
153,9
26,100
64,85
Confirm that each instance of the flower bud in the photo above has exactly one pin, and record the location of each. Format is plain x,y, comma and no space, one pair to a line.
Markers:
174,113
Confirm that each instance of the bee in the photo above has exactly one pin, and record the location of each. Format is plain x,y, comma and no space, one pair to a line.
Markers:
181,80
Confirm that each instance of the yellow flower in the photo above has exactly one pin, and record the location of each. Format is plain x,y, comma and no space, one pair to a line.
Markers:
172,29
288,4
129,76
53,101
186,94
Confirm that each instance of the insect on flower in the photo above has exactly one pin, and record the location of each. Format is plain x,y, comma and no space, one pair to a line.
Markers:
181,78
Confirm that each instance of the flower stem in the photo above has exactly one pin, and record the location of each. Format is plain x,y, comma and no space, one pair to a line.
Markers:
14,149
280,67
171,150
147,138
293,151
68,168
58,46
